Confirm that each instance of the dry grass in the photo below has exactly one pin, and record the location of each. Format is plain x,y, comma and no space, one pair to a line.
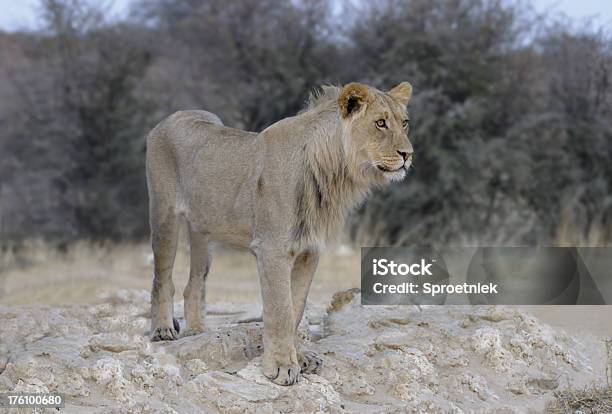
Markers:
591,399
569,234
85,272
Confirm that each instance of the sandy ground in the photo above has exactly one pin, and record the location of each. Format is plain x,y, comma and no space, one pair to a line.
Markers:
85,274
76,323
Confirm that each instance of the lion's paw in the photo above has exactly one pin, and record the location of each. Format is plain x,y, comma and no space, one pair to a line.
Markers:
286,375
310,363
281,373
166,333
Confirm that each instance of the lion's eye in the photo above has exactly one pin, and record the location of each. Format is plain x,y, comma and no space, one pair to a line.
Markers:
405,123
381,123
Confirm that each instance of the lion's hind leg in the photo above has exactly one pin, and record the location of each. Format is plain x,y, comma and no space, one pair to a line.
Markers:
195,291
164,237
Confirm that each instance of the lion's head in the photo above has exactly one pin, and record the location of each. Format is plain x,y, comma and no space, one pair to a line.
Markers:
377,141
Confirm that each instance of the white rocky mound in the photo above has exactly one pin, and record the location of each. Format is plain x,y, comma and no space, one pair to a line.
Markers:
376,360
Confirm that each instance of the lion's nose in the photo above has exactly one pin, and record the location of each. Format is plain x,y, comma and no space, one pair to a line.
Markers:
405,154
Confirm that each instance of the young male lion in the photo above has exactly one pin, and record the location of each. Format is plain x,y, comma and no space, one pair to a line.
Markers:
279,193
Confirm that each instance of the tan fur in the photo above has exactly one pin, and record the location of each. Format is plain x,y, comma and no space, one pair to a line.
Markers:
402,92
280,193
353,94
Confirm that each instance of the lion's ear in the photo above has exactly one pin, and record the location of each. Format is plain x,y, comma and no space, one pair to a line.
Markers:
352,97
402,93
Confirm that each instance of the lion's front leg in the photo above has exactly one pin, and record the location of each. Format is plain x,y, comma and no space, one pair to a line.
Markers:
280,362
301,278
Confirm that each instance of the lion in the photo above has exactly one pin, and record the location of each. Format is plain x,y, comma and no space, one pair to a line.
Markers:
280,193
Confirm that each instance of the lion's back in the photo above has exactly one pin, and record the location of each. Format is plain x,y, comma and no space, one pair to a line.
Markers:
195,164
198,116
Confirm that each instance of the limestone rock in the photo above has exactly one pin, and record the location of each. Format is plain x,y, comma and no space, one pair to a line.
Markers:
377,359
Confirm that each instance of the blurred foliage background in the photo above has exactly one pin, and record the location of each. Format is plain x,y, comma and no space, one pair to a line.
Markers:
511,118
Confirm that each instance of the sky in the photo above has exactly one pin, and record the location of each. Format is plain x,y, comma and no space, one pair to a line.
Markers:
21,14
